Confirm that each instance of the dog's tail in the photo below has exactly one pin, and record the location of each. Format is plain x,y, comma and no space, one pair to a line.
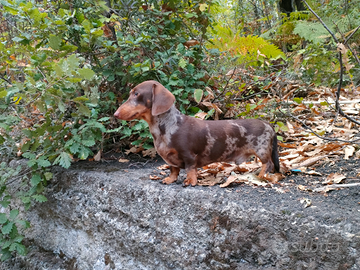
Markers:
275,154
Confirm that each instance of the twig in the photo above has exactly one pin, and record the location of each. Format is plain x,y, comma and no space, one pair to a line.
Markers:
347,45
6,80
357,28
227,83
336,186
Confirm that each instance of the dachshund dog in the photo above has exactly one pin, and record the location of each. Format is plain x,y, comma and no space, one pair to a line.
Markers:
189,143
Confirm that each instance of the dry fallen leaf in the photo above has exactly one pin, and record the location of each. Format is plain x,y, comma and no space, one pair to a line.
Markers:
163,167
302,188
248,178
123,160
312,172
233,178
305,202
349,151
154,177
290,127
134,149
334,178
201,115
274,178
149,152
309,162
211,180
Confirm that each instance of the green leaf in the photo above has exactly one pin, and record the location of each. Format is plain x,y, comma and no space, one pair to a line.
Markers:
298,100
5,255
3,218
7,244
29,155
4,203
21,249
54,42
84,152
74,148
80,99
282,126
324,103
35,179
73,62
103,119
11,10
25,224
25,199
58,69
42,162
6,229
48,175
28,133
14,213
63,160
61,106
87,25
89,142
18,238
183,63
86,73
39,198
3,94
198,93
84,110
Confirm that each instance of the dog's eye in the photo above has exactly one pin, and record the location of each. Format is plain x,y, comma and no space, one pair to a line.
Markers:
136,94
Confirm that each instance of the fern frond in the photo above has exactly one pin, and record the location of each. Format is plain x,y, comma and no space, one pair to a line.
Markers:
311,31
250,50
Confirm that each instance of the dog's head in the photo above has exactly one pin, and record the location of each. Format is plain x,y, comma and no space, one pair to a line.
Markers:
147,99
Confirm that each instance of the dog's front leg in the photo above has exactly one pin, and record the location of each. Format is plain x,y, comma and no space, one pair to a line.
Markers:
174,172
191,177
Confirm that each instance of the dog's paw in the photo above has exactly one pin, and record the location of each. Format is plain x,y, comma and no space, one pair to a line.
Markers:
168,180
189,182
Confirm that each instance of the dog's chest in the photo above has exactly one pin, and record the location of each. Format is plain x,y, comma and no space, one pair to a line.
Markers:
163,128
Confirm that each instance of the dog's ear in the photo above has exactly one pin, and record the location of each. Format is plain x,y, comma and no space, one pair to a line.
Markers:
162,99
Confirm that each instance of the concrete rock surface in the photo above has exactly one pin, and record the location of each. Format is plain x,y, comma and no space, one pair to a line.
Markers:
113,217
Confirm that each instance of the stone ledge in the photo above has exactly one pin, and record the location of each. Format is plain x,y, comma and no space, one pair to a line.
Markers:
106,217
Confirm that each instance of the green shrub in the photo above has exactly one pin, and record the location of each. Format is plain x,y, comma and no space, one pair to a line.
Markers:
63,68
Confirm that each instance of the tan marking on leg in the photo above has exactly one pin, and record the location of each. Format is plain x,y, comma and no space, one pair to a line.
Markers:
191,178
174,172
263,171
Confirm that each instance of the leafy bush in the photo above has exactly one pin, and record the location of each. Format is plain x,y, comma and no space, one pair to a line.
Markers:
64,65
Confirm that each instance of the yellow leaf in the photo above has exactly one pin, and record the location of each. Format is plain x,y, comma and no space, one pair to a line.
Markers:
203,7
17,99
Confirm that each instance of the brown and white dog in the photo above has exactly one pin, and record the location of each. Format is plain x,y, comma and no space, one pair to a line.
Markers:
189,143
